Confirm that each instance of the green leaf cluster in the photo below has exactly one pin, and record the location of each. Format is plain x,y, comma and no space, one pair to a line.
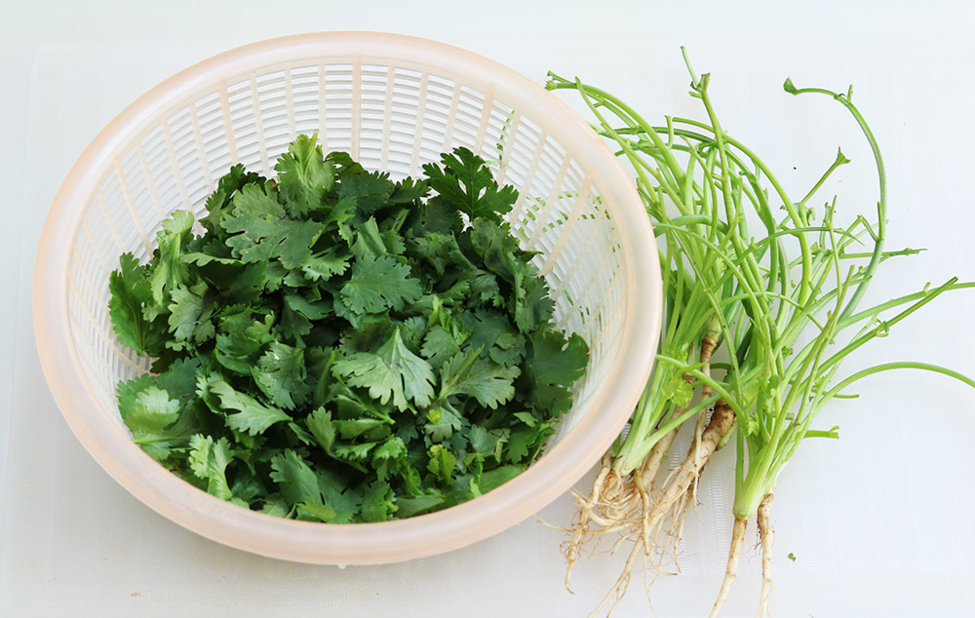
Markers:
337,346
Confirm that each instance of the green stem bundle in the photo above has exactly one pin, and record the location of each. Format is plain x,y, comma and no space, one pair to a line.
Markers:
784,306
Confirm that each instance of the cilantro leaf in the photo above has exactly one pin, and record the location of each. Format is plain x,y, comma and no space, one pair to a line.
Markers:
186,311
444,421
313,309
408,506
470,374
239,339
323,266
369,334
408,191
233,279
208,459
295,478
379,284
484,287
129,290
276,505
487,443
153,410
554,359
525,440
320,424
264,231
393,371
179,379
227,187
492,332
316,511
280,374
370,428
339,493
304,176
553,364
442,253
389,457
250,416
678,390
149,413
438,346
441,463
493,479
496,247
369,191
377,504
167,267
369,242
353,452
466,182
298,312
533,306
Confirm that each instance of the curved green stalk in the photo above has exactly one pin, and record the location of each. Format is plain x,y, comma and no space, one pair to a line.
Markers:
869,371
881,230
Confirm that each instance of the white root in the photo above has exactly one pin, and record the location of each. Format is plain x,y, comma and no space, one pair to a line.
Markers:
708,344
580,529
636,509
722,420
766,537
618,591
731,570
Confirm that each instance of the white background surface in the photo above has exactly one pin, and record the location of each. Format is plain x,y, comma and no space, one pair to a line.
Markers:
880,521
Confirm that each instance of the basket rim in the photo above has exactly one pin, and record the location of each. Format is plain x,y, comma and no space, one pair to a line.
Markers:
367,543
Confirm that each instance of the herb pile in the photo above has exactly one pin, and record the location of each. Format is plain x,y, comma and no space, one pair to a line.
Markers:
340,347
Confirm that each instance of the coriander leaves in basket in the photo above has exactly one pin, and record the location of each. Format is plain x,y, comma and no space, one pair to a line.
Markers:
340,347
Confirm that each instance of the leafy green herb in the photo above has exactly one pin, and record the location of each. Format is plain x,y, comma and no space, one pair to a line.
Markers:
341,347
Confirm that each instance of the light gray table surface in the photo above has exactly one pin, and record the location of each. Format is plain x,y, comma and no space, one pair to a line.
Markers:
880,521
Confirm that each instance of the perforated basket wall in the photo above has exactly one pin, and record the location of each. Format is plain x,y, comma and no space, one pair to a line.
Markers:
393,103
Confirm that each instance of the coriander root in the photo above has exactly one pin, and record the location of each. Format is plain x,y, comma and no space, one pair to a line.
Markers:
708,344
587,513
670,500
766,538
722,420
731,570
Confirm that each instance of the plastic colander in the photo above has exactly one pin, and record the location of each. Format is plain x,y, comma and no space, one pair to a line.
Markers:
393,103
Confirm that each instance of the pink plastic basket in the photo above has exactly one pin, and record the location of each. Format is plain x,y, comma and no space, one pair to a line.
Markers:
394,103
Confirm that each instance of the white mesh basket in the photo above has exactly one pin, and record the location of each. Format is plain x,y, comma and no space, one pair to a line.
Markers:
393,103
